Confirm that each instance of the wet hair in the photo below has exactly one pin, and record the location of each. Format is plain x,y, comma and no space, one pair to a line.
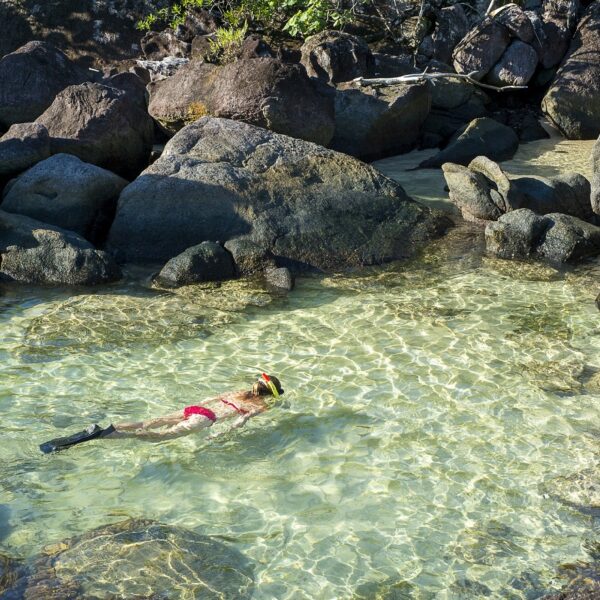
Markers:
260,387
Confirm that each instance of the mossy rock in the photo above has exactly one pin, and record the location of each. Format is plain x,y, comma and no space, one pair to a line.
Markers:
137,559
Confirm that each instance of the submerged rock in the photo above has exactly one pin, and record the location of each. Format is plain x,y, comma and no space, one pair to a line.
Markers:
279,279
138,559
313,208
101,125
580,490
22,146
66,192
30,79
482,137
573,100
205,262
596,177
38,253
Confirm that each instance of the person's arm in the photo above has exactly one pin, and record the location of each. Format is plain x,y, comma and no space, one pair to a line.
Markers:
239,422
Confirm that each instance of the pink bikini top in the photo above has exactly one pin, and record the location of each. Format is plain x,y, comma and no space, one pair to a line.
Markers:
188,411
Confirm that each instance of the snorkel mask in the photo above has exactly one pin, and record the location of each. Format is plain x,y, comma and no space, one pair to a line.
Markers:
267,380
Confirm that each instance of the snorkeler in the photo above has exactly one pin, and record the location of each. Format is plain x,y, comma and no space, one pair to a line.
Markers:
241,405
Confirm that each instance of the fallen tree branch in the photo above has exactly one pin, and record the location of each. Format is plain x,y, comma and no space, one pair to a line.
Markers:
384,81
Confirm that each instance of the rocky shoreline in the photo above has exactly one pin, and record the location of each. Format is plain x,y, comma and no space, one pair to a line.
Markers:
261,146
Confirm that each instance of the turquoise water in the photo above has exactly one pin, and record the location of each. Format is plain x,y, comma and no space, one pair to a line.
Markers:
430,407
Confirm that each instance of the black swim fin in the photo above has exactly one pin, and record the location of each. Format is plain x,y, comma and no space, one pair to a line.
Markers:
91,433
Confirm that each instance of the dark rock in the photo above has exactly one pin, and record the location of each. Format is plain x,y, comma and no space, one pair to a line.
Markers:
516,67
482,137
255,47
202,46
101,125
262,91
133,85
374,122
555,237
142,73
515,234
530,129
452,24
473,194
22,146
279,279
515,19
205,262
449,94
30,79
16,31
445,118
569,239
335,56
198,21
249,258
68,193
568,193
157,45
387,65
573,100
559,19
481,48
483,192
311,207
38,253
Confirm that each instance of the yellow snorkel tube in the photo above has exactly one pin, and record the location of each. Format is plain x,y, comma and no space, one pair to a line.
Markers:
270,385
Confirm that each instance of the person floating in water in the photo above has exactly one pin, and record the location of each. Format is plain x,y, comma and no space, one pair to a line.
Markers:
237,407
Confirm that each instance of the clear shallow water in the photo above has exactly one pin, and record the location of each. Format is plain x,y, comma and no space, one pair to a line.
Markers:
429,408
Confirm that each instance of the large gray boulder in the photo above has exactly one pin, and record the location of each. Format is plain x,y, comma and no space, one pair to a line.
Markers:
101,125
374,122
38,253
261,91
30,79
516,66
219,179
482,137
555,237
21,147
516,20
335,56
451,26
207,261
66,192
573,100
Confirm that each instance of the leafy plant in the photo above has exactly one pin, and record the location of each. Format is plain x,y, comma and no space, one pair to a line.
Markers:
226,46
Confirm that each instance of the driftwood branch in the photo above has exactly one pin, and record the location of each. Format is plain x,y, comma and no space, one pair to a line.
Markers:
384,81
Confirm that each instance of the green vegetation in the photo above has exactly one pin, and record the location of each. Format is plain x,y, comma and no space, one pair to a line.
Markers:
297,18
